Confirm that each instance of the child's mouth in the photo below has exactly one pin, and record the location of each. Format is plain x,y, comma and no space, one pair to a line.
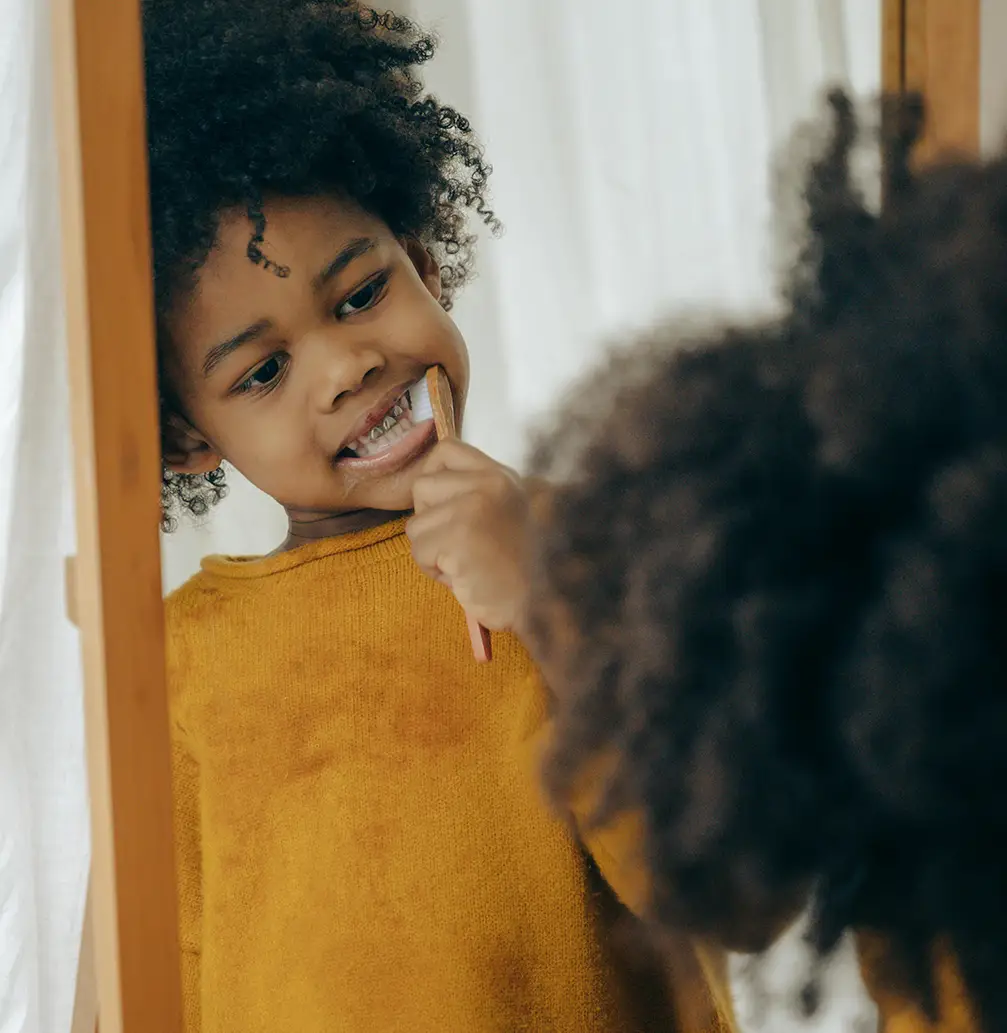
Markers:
393,434
392,427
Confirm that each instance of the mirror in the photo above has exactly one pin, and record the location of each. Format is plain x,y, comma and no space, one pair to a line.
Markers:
634,174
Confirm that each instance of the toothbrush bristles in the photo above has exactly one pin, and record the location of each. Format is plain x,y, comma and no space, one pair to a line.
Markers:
419,402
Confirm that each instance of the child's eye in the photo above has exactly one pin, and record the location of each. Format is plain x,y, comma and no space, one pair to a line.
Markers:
363,299
263,376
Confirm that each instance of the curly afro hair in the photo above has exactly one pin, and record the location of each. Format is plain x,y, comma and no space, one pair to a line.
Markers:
252,98
781,552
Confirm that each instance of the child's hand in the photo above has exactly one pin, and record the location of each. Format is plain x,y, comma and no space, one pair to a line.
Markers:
471,532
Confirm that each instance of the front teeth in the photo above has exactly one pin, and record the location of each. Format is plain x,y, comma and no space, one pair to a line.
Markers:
393,427
382,428
385,425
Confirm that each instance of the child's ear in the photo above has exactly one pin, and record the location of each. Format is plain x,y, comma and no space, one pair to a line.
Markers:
426,265
185,449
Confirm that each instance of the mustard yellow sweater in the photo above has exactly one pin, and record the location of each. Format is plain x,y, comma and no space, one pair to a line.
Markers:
361,842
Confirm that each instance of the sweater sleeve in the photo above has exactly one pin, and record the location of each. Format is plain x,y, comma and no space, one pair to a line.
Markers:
617,849
698,971
189,878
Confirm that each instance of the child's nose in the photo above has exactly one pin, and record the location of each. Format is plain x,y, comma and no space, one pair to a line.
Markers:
346,373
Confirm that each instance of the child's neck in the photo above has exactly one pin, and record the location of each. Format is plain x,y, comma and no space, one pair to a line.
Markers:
304,528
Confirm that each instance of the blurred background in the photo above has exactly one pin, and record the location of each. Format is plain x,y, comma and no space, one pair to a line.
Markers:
636,172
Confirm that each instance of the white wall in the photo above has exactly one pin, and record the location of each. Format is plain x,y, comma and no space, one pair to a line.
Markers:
44,834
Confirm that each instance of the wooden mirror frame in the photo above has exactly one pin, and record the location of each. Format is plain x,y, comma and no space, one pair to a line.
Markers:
932,47
101,134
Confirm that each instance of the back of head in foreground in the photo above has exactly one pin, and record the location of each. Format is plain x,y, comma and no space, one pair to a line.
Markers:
778,571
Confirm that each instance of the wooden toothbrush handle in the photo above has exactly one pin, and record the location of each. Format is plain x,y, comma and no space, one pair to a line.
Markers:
442,403
482,644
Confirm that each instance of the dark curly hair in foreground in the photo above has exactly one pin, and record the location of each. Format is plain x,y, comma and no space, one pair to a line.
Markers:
252,98
781,553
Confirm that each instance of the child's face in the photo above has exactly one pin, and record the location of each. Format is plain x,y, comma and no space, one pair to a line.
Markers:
279,376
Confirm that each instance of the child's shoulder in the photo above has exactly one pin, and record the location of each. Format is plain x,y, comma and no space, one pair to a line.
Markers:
187,631
190,599
192,615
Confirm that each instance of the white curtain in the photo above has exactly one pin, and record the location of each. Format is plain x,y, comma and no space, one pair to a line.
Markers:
44,843
633,146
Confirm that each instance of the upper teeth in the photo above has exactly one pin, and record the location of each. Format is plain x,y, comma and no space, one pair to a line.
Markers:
397,419
387,423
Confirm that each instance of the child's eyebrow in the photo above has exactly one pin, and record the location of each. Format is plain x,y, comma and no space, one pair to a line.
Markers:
349,253
216,355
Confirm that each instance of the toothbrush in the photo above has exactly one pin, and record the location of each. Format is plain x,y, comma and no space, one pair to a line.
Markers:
430,399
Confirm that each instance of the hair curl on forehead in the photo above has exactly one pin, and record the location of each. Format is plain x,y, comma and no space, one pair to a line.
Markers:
781,551
248,99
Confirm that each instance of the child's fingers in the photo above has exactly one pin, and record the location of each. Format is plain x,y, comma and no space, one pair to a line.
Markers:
464,544
431,537
435,489
430,520
455,469
453,454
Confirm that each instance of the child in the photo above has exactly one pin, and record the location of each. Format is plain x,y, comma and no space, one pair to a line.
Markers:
782,561
361,844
